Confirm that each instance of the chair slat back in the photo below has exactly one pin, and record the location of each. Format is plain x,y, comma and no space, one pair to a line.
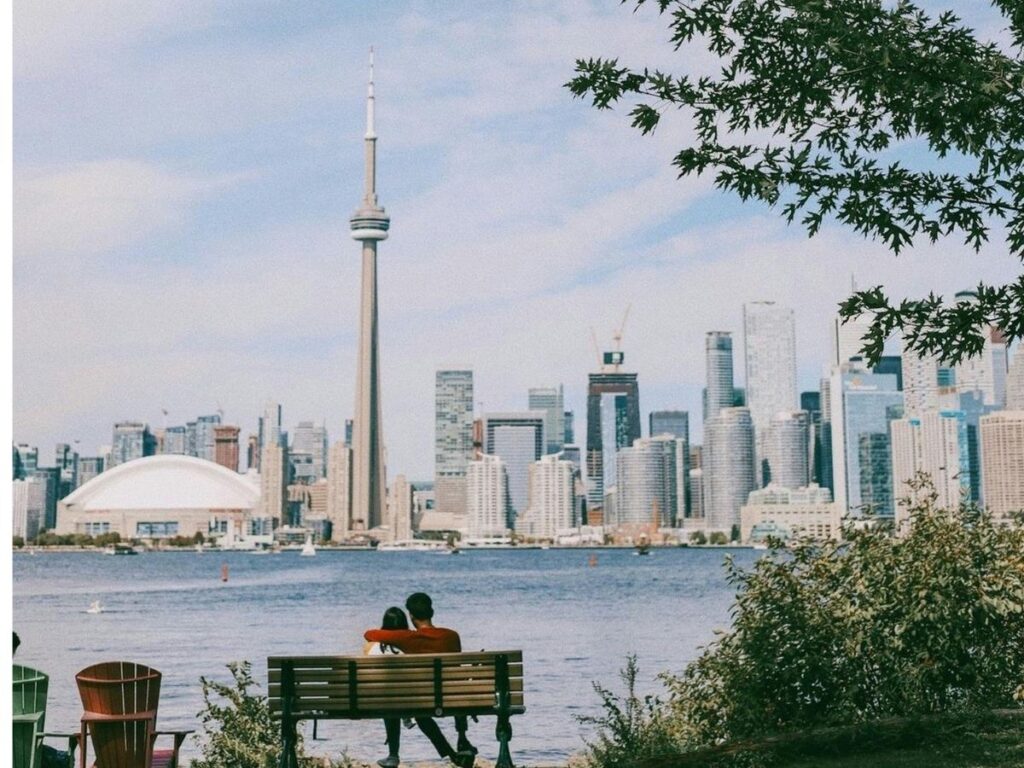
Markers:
116,688
29,711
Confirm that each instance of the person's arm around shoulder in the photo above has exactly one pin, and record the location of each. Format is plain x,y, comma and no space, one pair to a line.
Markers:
390,636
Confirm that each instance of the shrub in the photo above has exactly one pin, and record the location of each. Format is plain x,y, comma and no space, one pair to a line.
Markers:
838,633
698,537
718,537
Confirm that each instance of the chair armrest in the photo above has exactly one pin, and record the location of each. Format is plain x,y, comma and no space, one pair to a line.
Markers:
95,717
72,742
179,736
31,717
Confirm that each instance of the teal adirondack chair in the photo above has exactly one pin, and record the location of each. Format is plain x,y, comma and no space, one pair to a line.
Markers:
30,686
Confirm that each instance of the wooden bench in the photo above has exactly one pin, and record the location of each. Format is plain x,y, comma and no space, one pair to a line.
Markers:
375,687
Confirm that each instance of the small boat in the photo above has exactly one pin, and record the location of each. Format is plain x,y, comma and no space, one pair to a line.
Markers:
119,549
308,550
95,607
643,547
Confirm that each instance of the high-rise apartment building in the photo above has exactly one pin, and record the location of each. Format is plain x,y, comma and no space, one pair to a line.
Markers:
486,497
769,342
696,518
862,404
519,439
787,449
175,441
49,490
88,468
651,475
719,392
728,464
986,371
339,490
920,383
552,497
1015,382
274,483
132,440
613,422
551,400
312,439
400,508
206,442
935,444
453,439
1002,462
225,446
28,507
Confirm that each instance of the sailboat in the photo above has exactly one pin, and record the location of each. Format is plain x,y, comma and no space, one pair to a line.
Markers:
308,550
95,607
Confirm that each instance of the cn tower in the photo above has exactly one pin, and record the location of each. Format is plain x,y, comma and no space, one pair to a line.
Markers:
369,225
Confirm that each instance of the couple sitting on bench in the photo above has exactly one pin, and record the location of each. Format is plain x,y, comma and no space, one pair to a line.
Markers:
396,637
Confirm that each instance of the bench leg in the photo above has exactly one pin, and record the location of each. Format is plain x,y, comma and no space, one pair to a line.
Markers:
504,733
288,737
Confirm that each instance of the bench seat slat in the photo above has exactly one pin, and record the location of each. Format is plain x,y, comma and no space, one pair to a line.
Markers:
395,688
385,675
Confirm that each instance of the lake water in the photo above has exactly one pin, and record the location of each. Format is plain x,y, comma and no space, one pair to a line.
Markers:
574,623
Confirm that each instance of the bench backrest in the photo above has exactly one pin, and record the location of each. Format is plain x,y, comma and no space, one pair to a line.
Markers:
435,684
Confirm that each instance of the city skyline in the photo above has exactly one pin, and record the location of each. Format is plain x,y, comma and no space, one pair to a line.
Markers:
226,278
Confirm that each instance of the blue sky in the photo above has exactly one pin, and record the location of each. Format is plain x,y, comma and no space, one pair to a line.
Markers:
184,174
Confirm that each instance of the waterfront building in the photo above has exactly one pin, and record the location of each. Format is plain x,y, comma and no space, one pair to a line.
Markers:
400,509
697,518
274,483
861,406
613,422
205,437
225,446
787,513
487,497
453,440
728,464
551,400
519,439
719,392
1002,462
312,439
935,444
28,507
920,383
370,225
88,468
787,449
422,501
132,440
339,485
551,498
159,497
175,441
769,343
651,483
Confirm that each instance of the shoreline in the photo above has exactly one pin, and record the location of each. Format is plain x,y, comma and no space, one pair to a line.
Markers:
56,548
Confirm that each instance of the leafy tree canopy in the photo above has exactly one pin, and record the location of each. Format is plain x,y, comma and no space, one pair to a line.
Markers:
811,103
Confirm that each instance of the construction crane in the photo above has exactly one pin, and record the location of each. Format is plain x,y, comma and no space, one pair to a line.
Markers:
617,338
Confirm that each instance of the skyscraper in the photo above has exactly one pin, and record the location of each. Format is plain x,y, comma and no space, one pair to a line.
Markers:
650,478
786,447
132,440
861,405
1015,382
400,509
986,371
811,402
206,443
225,439
551,400
486,497
920,383
728,464
370,225
339,490
719,393
269,428
312,439
274,482
613,422
175,441
675,423
551,498
1002,462
848,338
453,439
519,439
769,343
935,443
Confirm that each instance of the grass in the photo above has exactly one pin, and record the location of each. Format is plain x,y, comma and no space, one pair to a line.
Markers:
990,740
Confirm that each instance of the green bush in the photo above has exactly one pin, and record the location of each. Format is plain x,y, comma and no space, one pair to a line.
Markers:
831,633
718,537
698,537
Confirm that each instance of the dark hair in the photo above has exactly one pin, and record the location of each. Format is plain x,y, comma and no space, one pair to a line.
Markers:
419,606
394,618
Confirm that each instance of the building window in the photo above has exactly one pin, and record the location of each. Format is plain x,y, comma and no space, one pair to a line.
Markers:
97,528
156,530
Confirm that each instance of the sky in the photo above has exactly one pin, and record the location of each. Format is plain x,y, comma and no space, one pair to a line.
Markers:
183,174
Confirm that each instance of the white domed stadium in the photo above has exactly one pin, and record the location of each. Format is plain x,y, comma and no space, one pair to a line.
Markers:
158,497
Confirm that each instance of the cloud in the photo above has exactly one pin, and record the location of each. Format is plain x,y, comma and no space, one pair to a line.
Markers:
96,207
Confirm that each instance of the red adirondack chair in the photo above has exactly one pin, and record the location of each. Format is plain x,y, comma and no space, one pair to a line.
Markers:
120,701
